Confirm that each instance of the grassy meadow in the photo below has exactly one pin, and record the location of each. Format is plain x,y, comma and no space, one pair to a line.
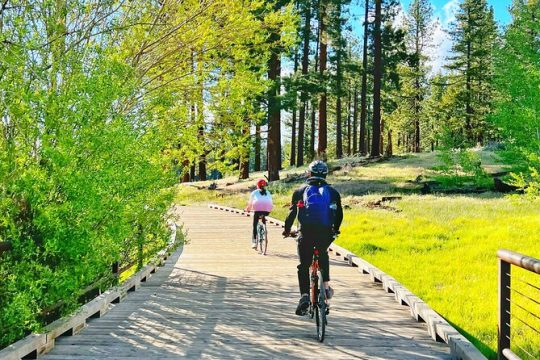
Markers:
442,247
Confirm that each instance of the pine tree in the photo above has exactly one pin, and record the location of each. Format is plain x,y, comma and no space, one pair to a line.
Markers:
377,81
473,34
323,58
419,21
363,101
304,95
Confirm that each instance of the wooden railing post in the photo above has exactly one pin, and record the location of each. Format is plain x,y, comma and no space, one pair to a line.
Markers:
504,308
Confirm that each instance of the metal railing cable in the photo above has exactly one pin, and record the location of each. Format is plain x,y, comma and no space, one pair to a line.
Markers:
519,304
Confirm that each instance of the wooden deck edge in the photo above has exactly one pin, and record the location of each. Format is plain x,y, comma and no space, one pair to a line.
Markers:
26,347
438,328
35,345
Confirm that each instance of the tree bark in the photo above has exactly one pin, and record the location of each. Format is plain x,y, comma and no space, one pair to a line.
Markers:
244,157
468,107
257,162
377,82
349,132
314,103
363,101
339,115
323,133
274,115
417,98
185,176
304,94
355,121
292,161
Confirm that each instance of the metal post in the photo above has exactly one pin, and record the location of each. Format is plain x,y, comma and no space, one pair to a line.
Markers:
504,308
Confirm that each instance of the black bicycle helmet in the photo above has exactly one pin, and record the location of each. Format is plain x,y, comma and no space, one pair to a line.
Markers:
318,169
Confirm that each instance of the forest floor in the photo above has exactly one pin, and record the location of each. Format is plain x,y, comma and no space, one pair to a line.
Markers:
438,235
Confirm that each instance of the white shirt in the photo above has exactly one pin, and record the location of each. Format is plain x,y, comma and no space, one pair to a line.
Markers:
260,202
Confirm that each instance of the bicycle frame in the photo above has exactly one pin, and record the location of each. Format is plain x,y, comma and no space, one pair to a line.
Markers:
314,278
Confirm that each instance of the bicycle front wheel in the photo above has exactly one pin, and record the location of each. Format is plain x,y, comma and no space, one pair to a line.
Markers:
321,310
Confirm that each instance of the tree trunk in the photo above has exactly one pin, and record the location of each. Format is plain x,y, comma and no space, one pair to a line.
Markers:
274,116
202,158
312,130
304,94
339,115
244,157
355,121
377,81
185,166
292,161
468,107
417,98
389,150
257,162
314,103
363,101
322,143
349,132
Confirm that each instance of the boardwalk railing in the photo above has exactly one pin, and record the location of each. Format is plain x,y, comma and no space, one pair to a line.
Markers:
508,258
35,345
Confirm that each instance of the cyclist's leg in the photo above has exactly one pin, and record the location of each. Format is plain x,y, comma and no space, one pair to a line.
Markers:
325,240
254,232
305,256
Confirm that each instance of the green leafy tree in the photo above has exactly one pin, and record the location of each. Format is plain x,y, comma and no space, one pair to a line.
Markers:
474,34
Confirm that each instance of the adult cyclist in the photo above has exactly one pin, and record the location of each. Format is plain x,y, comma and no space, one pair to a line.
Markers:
260,201
318,206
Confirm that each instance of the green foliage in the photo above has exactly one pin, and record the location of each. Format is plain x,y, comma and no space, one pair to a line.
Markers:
102,106
460,167
517,101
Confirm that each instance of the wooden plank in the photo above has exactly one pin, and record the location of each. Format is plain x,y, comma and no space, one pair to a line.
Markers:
26,347
217,298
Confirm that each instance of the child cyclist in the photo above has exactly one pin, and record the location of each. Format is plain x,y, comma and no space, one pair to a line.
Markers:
260,201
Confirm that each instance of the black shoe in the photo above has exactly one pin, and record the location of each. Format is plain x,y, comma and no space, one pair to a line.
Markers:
303,305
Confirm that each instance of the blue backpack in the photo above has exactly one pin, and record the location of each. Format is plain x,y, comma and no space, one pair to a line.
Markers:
316,209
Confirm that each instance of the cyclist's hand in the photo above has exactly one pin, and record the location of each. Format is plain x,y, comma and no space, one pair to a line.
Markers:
286,233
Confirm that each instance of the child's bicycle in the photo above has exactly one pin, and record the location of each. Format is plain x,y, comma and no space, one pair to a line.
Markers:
318,305
262,235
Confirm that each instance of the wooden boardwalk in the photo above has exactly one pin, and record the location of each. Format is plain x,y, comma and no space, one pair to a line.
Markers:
217,298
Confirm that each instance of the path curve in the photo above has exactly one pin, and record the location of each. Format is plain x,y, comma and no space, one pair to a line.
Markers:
217,298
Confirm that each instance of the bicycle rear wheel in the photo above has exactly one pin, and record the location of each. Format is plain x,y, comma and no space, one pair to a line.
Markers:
262,240
321,309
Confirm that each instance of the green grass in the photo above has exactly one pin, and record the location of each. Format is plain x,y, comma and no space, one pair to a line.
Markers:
443,248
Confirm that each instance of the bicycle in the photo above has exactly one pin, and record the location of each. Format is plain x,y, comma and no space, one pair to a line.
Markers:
318,305
262,235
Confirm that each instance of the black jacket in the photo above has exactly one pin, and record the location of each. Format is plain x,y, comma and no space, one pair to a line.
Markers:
299,195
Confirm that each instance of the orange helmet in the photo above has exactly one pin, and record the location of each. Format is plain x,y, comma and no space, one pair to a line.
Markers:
261,183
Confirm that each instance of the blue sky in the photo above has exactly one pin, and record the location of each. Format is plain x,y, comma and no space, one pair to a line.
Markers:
442,6
444,11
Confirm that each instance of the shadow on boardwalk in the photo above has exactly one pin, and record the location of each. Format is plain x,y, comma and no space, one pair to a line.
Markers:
232,303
